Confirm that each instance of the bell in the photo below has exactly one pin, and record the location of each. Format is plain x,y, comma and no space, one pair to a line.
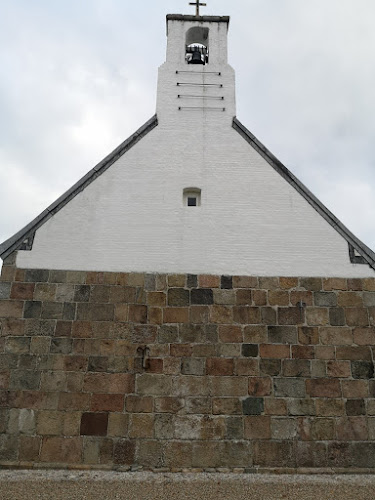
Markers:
196,58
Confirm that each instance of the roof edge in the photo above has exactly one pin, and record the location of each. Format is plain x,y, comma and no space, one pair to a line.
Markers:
358,245
200,19
15,241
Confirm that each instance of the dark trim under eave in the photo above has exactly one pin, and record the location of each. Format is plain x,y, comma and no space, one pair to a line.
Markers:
198,19
364,251
16,241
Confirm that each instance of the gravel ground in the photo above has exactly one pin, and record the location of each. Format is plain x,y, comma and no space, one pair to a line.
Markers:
72,485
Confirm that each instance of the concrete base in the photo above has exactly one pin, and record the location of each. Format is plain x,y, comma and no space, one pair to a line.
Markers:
75,485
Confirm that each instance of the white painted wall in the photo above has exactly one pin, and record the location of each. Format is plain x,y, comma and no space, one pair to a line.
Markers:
251,221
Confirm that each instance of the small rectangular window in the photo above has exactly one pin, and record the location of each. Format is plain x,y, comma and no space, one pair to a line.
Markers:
192,202
192,197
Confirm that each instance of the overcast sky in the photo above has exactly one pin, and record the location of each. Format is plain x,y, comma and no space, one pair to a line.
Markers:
77,77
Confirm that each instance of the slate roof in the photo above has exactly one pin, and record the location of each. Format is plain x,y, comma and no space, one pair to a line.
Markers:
358,252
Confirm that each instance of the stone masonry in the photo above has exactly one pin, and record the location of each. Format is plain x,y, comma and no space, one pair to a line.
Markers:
186,372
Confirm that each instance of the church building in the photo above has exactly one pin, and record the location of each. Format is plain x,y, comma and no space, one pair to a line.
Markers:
188,304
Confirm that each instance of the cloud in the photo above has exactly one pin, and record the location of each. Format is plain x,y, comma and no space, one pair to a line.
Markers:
65,108
306,91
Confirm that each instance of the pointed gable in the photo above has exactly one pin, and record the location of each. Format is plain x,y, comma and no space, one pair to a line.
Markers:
192,191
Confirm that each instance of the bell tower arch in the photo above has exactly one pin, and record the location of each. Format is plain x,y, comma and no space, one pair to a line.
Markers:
197,45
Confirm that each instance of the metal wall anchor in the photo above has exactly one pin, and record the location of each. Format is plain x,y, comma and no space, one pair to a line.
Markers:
144,353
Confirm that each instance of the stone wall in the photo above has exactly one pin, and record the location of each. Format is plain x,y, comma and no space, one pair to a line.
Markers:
117,370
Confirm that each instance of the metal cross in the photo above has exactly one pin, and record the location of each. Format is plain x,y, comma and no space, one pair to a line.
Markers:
198,4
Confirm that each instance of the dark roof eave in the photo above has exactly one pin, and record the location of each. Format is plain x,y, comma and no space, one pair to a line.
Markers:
13,243
201,19
357,244
198,19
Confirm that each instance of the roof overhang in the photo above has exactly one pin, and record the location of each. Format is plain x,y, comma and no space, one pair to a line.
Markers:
197,19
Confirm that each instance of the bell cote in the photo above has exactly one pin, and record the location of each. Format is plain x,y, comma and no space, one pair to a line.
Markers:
196,82
197,40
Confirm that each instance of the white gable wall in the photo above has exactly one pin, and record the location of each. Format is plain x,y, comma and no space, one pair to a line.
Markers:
132,218
251,220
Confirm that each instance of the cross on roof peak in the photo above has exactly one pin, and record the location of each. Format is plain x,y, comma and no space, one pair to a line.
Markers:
198,4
